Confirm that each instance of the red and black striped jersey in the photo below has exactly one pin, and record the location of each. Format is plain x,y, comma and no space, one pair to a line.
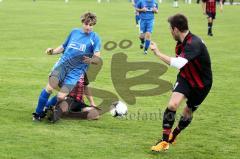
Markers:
210,6
197,71
78,91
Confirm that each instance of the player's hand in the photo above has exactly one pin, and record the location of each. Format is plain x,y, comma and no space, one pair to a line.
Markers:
221,9
96,107
155,10
49,51
144,9
153,46
204,12
87,60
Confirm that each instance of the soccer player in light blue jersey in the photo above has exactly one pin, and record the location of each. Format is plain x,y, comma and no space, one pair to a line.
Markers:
137,18
146,9
81,48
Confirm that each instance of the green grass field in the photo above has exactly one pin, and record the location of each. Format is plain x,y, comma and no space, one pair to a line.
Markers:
27,29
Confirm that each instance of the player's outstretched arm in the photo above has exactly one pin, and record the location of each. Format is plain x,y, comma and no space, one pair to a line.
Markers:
162,56
58,50
178,62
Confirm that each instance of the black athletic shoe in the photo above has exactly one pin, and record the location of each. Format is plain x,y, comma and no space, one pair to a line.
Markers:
210,34
38,117
53,114
141,46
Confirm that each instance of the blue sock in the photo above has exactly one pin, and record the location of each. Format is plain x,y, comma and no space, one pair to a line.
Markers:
147,43
51,102
42,100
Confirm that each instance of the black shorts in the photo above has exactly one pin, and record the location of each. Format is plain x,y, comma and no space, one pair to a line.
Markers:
195,96
211,15
74,109
75,106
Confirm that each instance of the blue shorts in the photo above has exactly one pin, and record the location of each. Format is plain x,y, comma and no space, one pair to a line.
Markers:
67,76
146,25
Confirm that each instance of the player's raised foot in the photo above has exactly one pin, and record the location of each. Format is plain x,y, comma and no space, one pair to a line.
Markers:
160,146
172,139
38,117
53,114
141,46
145,52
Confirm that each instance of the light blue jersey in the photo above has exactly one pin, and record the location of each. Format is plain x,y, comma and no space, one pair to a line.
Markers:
77,45
70,66
149,4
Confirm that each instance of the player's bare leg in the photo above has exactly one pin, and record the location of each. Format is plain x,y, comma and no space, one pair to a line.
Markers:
54,113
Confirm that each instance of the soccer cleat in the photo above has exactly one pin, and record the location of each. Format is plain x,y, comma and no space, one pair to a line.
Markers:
53,114
38,117
172,139
145,52
160,146
210,34
141,46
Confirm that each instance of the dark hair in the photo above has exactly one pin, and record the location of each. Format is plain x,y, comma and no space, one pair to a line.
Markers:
89,18
179,21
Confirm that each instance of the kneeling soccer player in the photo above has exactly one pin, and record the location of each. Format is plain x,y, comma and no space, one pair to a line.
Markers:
74,106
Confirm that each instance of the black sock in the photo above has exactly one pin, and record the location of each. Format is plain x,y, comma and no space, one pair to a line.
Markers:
168,121
142,40
183,123
209,28
175,132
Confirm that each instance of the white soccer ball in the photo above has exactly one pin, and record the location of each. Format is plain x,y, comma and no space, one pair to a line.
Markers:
118,109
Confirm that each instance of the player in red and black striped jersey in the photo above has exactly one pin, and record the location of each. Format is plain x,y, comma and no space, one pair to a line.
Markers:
209,8
80,90
194,79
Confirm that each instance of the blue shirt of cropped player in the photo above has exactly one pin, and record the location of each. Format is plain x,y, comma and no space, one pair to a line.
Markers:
81,48
149,5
